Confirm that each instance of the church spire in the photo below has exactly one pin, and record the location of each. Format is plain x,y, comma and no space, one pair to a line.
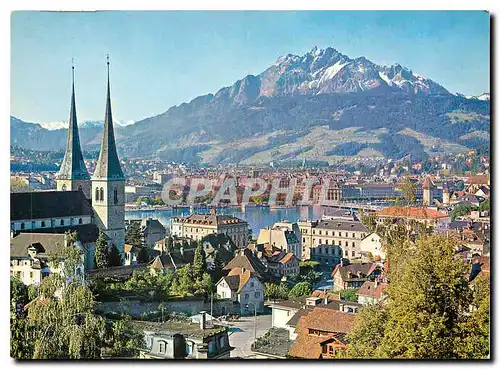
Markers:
108,165
73,166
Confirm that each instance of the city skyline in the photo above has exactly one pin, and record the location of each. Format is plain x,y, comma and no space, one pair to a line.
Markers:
172,67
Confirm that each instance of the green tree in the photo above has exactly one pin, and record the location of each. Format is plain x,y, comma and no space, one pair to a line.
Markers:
133,234
428,312
114,258
199,262
143,255
485,205
409,190
367,333
349,295
276,292
183,284
169,244
300,289
460,210
218,266
100,252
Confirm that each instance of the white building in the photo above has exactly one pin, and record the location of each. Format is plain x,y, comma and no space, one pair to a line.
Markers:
373,244
242,286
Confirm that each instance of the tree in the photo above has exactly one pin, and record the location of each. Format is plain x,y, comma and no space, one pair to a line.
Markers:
485,205
460,210
169,244
100,252
114,258
369,220
183,284
409,190
428,312
66,327
133,234
218,266
143,255
349,295
276,292
367,332
199,262
299,290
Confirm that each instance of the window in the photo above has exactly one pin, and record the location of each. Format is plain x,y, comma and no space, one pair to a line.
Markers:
96,194
346,243
163,347
31,275
303,239
32,224
353,235
333,233
42,223
320,232
251,284
314,232
346,253
64,187
354,244
257,295
326,242
61,222
246,296
101,192
80,221
353,253
115,196
80,188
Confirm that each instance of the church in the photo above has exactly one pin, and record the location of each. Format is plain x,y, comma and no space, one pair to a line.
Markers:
81,203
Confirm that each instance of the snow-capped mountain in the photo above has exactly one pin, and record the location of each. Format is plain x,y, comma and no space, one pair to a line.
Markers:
322,71
51,126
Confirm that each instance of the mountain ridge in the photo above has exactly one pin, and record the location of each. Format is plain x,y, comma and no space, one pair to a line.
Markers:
274,115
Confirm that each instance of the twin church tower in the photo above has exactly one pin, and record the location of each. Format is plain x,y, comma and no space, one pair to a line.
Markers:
106,189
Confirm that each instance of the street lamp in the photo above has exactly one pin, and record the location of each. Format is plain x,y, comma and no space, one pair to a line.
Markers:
254,320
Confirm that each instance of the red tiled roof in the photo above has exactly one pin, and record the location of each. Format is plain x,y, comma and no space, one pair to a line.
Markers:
369,289
411,212
327,320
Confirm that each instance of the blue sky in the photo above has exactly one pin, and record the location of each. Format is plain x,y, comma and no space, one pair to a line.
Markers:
160,59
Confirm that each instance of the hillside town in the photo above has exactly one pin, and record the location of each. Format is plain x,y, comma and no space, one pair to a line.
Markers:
203,286
328,208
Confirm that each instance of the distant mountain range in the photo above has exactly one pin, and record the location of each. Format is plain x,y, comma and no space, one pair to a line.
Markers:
322,106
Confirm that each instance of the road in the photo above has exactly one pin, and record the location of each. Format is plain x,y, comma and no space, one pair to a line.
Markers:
241,335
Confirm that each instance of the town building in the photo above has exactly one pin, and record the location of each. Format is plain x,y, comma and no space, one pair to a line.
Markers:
246,259
281,238
371,292
35,256
151,230
242,286
372,245
177,339
197,226
427,216
353,276
345,234
321,334
428,188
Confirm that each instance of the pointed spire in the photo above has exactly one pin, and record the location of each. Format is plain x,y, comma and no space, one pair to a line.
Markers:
73,166
108,165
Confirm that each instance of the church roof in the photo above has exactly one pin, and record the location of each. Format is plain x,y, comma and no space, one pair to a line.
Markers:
48,204
73,166
108,165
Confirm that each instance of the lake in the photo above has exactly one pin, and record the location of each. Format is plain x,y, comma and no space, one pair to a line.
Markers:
257,217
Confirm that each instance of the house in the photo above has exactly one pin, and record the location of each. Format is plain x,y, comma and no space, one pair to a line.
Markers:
345,234
179,339
286,314
353,276
244,287
33,256
372,244
474,183
247,260
483,192
172,260
151,230
282,238
321,334
427,216
371,292
197,226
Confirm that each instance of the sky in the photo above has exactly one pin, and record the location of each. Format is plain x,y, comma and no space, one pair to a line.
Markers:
161,59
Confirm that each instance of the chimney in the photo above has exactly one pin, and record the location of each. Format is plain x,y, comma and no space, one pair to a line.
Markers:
203,319
341,307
